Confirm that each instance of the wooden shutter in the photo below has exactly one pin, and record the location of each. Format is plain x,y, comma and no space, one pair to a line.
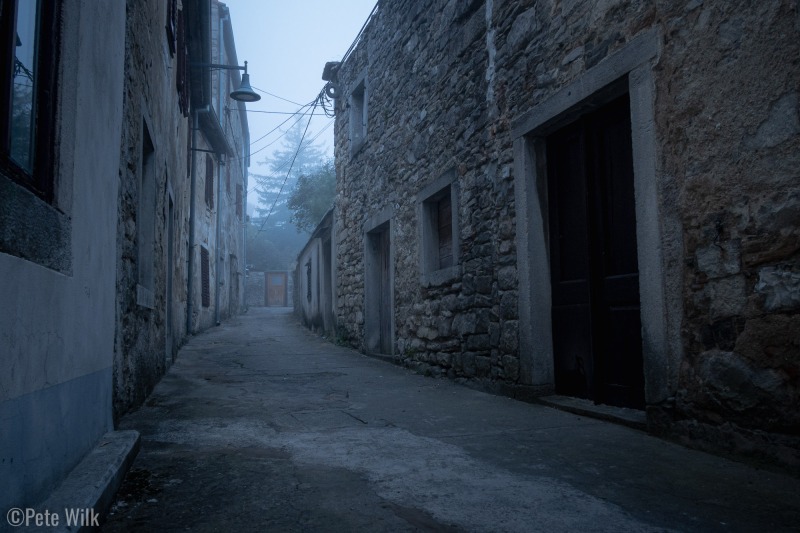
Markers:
205,277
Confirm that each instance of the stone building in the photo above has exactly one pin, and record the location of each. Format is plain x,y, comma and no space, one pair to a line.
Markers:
111,137
185,151
315,279
593,200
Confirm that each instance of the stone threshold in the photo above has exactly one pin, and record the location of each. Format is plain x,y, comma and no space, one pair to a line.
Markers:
94,482
633,418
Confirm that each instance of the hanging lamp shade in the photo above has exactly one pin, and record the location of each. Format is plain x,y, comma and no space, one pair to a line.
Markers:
245,93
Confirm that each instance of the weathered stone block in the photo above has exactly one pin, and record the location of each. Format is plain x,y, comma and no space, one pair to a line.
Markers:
509,337
482,366
508,305
464,323
719,260
782,123
482,320
478,342
780,287
483,284
468,364
507,278
425,332
511,367
726,296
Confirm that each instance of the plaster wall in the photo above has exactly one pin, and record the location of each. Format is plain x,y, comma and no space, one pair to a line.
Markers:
58,327
314,281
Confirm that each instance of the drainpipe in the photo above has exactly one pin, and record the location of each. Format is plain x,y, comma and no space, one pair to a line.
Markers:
218,240
246,222
220,163
193,187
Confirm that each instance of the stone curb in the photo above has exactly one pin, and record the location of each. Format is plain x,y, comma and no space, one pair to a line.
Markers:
94,482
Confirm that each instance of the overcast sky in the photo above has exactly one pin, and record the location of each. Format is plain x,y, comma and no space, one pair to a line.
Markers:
286,44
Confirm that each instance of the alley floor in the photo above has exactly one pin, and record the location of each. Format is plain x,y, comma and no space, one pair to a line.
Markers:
261,425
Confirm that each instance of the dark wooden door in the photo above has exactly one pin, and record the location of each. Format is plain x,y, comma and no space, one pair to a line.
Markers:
594,269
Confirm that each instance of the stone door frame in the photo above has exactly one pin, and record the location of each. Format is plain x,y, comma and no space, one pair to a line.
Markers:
629,69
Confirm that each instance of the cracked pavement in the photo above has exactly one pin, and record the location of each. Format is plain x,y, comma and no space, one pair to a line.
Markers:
260,425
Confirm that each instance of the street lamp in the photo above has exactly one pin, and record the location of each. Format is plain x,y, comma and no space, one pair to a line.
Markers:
245,92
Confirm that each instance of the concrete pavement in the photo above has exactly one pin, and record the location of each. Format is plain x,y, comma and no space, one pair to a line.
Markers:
262,426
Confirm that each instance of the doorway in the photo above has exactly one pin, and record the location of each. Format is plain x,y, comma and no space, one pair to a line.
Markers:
170,354
379,309
276,289
596,322
233,286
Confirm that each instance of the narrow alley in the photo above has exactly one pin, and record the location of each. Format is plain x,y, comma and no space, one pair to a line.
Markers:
261,425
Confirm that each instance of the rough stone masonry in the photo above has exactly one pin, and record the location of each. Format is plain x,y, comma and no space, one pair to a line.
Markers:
445,86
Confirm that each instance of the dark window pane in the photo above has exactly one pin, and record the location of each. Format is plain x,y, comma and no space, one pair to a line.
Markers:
445,228
205,277
23,87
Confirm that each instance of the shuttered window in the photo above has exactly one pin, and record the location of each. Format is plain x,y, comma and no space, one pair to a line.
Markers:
205,275
181,80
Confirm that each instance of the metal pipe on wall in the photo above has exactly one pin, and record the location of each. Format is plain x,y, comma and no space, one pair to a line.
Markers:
192,209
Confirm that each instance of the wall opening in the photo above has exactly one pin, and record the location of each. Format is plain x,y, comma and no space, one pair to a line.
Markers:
597,345
439,244
205,277
358,115
379,285
627,71
146,222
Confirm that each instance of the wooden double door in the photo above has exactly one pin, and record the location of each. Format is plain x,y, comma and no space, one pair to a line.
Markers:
276,288
596,319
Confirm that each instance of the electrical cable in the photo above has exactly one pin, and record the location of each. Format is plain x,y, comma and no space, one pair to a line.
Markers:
288,172
276,96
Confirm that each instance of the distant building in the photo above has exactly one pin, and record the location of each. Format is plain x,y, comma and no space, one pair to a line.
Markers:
314,279
597,200
113,138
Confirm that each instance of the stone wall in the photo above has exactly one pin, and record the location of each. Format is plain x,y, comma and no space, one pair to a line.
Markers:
444,83
158,145
150,104
255,289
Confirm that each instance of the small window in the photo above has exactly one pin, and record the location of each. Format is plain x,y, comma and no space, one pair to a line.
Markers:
444,229
181,79
205,277
358,116
239,201
308,280
172,25
146,222
28,38
439,245
209,182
